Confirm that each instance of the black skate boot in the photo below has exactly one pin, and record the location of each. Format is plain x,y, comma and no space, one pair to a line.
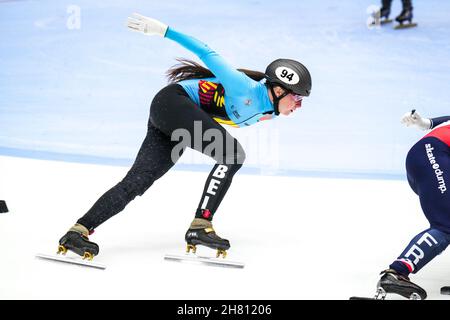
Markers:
393,282
405,15
385,10
76,240
381,16
202,233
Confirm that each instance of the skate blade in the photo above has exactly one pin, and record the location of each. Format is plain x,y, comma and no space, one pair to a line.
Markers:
363,298
379,295
405,26
382,22
216,262
72,260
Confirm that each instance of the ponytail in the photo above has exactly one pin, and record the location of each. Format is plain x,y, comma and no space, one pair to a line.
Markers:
188,69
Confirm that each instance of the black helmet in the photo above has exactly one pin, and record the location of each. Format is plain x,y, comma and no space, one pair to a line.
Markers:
291,75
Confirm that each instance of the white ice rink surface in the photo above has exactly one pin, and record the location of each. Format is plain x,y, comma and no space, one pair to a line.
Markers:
303,238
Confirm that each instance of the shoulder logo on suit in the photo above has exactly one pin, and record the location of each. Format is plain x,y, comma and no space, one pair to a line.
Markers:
211,93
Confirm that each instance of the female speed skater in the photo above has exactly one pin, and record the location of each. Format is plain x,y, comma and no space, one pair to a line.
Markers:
193,105
428,173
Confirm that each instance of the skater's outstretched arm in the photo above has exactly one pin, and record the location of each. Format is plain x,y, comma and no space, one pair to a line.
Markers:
413,118
232,79
437,121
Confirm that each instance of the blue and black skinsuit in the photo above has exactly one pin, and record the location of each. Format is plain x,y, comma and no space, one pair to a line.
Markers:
428,173
194,107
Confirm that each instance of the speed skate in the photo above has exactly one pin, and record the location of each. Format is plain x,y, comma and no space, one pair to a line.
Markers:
393,282
71,260
201,233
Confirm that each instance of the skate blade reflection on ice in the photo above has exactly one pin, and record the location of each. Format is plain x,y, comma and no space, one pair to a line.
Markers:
71,260
217,262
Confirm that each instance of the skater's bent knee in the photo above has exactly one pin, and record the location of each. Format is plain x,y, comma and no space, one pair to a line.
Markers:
134,189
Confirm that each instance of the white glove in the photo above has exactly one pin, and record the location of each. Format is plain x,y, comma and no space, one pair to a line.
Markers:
412,118
146,25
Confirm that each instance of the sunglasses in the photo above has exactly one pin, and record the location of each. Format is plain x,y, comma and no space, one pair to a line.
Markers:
297,97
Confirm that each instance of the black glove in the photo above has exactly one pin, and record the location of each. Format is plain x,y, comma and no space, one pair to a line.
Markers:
3,207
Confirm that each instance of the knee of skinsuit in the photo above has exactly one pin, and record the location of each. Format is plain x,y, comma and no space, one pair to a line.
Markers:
136,186
421,250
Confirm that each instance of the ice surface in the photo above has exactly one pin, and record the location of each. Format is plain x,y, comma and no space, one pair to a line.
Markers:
300,238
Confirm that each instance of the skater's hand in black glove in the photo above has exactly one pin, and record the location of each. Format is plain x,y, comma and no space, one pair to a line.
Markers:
414,119
147,26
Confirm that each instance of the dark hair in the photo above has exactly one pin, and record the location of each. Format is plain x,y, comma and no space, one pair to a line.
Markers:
188,69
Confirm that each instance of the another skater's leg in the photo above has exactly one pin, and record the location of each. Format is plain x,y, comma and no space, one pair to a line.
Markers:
385,9
427,182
